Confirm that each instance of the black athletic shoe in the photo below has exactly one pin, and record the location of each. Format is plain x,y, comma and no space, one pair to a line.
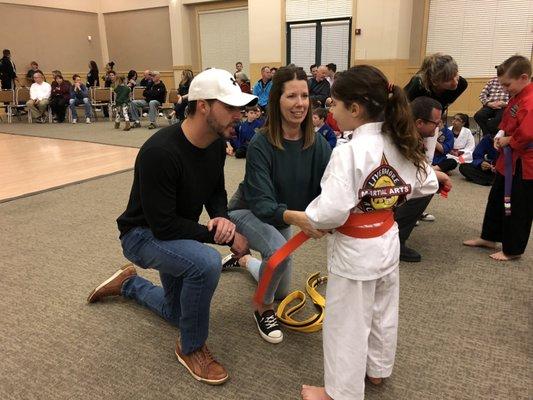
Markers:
268,326
409,255
230,262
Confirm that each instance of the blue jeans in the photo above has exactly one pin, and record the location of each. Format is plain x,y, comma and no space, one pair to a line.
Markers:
76,102
189,272
265,239
152,109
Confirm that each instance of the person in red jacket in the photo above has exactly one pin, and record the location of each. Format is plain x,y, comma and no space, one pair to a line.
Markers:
509,211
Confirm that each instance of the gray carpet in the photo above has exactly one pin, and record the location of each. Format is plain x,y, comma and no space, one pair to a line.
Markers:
463,317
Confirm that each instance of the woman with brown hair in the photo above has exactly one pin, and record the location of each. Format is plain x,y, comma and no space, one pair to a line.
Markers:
284,165
379,169
439,79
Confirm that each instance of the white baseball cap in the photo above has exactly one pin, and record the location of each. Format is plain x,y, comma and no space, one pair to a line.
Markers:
220,85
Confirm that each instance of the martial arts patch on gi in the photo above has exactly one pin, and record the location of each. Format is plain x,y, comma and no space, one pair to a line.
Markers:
383,189
441,138
514,110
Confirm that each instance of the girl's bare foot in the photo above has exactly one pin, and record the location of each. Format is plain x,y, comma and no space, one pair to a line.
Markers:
480,243
314,393
501,256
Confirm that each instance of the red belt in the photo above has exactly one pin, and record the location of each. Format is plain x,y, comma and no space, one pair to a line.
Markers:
362,225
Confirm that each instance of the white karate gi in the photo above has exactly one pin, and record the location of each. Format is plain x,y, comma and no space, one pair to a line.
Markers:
466,143
362,296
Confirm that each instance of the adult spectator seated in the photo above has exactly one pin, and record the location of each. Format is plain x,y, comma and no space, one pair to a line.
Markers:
313,69
60,97
443,146
55,73
154,96
131,79
147,78
319,88
39,97
332,70
93,79
438,78
463,140
243,81
183,98
262,87
246,130
322,128
110,81
34,67
273,70
427,114
79,95
481,169
494,99
8,71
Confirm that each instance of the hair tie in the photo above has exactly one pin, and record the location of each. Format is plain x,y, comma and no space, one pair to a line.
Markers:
390,87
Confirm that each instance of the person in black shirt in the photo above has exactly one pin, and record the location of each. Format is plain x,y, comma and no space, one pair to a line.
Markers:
439,79
92,76
154,96
8,71
178,171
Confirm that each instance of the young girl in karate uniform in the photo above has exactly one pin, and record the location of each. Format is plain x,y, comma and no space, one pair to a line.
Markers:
380,168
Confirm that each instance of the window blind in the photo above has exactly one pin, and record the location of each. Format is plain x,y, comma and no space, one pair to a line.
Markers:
302,10
480,34
303,44
336,43
224,50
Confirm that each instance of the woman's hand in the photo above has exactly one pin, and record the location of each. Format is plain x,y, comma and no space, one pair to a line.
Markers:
299,218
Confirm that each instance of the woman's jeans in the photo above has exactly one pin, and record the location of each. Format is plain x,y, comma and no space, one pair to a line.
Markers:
265,239
189,272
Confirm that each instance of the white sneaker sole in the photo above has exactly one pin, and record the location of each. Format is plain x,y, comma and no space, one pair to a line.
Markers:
100,286
199,378
269,339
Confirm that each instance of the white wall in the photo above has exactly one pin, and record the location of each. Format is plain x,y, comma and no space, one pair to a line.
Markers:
386,29
265,30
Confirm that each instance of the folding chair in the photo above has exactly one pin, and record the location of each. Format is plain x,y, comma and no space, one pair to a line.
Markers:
22,95
102,96
7,97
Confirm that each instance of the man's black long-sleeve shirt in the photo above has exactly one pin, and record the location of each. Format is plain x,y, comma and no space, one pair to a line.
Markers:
173,181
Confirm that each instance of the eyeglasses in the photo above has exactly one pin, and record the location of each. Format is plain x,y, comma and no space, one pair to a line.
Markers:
428,121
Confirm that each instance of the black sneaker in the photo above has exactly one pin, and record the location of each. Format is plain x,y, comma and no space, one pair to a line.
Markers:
409,255
136,124
152,126
230,262
268,326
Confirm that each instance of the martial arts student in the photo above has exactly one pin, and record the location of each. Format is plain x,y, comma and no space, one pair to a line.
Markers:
509,209
381,167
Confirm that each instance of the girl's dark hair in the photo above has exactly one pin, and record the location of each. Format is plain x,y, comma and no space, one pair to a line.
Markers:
132,74
367,86
273,130
465,118
111,64
93,66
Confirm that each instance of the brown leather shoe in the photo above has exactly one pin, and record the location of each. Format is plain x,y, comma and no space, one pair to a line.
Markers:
113,285
202,365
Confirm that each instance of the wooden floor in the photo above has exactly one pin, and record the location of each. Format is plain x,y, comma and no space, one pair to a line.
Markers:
32,164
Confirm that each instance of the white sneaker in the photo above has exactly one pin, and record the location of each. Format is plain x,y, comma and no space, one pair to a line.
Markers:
145,114
160,114
87,120
427,217
74,121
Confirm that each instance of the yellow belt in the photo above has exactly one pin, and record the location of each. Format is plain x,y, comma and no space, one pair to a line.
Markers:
313,323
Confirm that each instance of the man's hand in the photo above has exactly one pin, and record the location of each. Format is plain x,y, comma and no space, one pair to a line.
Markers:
493,104
225,229
444,180
485,166
501,104
240,246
